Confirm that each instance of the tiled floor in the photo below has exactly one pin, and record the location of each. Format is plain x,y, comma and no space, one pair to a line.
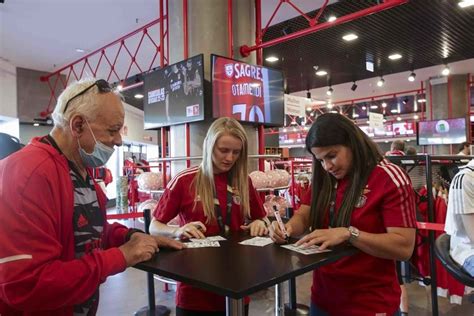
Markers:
125,293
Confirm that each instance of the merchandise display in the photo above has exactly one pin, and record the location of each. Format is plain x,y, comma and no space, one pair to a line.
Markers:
270,179
149,181
280,202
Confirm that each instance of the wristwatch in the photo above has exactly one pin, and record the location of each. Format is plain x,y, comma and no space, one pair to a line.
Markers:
354,233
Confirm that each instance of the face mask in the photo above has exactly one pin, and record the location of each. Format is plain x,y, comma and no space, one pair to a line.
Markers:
99,156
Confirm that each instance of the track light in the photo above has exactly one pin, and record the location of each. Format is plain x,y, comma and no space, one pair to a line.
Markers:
445,71
381,82
411,77
330,91
354,86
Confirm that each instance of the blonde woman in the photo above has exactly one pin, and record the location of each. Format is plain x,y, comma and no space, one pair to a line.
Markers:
222,176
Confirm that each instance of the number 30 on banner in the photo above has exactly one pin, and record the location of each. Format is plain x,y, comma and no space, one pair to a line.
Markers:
254,115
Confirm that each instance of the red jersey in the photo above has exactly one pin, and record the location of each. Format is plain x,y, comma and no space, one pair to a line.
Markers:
363,284
178,199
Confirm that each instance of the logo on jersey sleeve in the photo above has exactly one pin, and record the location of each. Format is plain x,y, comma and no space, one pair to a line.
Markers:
363,198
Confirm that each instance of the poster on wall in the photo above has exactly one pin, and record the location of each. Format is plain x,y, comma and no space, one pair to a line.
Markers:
249,93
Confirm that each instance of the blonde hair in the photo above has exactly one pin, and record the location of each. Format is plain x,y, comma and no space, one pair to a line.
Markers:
204,181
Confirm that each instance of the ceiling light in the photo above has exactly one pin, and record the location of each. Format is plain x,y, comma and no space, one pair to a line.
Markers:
309,108
384,120
415,117
321,73
354,86
445,71
80,50
466,3
364,108
138,96
330,91
381,82
373,107
330,106
119,87
384,105
36,124
350,37
411,77
332,18
421,100
271,59
395,56
312,114
394,111
355,115
399,118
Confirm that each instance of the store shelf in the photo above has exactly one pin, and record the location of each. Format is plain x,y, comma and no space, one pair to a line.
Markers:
273,189
161,191
184,158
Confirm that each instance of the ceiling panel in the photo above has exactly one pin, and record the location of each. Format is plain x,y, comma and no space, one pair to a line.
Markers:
425,33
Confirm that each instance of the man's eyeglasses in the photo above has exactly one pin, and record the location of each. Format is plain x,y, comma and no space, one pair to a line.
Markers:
101,84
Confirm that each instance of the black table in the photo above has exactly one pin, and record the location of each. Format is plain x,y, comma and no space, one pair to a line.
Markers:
235,270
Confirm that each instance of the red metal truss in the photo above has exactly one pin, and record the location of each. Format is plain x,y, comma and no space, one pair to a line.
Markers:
313,25
131,54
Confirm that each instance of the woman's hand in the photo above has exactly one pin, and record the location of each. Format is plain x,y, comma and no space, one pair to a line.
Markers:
277,235
191,230
256,228
325,237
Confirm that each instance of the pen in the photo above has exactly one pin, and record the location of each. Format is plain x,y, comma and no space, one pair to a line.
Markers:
280,222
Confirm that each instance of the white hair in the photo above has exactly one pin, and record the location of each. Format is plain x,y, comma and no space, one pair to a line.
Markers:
85,104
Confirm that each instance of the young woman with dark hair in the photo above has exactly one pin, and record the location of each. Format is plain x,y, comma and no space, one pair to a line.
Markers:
357,197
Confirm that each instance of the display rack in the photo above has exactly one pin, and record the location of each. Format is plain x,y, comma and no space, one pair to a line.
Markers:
428,161
273,189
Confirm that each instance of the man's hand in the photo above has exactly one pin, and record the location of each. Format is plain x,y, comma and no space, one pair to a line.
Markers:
142,247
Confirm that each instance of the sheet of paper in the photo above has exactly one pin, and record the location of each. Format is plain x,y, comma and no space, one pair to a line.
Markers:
257,241
306,251
202,244
210,238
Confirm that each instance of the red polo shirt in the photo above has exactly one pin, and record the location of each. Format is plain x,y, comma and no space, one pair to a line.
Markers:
178,200
362,284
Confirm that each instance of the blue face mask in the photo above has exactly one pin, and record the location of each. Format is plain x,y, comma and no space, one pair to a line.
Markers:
99,156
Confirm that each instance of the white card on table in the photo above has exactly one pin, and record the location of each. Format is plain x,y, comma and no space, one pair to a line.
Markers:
210,238
306,251
257,241
202,244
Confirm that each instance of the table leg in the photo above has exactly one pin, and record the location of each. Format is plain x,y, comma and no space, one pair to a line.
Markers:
234,307
279,308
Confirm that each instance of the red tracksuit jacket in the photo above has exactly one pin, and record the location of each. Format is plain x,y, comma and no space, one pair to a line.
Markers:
38,272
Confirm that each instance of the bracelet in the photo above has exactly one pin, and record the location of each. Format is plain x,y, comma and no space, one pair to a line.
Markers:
132,231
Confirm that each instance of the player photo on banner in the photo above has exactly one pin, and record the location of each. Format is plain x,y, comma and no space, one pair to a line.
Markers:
248,93
174,94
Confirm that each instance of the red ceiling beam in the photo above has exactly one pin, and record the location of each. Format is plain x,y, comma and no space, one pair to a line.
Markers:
388,4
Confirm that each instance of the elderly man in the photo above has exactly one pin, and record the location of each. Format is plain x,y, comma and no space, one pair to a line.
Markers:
57,246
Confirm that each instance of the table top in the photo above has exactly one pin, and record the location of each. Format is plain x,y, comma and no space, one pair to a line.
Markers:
236,270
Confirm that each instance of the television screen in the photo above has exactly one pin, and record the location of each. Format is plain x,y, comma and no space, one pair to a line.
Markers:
175,94
442,132
249,93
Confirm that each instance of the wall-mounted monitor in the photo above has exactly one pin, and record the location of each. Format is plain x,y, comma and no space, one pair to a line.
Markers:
442,132
175,94
248,93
